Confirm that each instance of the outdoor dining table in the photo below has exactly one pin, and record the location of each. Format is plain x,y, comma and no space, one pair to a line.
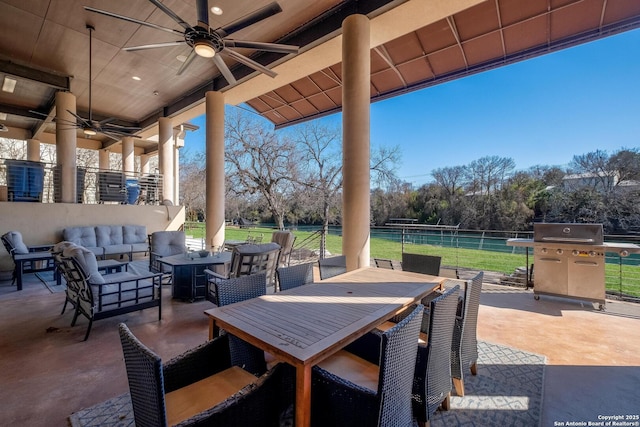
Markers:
305,325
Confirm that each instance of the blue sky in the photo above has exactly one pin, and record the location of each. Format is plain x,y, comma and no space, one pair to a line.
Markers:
541,111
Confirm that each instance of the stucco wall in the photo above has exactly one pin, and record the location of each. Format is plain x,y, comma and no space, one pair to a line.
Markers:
42,223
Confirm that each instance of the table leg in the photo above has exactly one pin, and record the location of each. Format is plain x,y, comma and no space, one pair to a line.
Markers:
303,396
212,328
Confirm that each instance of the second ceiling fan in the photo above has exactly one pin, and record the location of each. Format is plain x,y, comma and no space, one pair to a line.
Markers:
212,43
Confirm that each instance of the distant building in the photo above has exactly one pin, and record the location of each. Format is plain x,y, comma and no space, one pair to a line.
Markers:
602,181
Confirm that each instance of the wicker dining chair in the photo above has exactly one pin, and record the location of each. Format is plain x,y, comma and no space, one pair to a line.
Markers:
338,401
418,263
432,380
464,348
151,382
383,263
294,276
332,266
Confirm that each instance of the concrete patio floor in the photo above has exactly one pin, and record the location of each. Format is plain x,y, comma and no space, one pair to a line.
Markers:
47,371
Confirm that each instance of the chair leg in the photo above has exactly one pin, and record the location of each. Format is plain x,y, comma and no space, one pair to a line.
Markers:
64,306
474,368
459,386
88,329
424,423
75,316
446,403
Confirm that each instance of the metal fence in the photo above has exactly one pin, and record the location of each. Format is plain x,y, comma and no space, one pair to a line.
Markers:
28,181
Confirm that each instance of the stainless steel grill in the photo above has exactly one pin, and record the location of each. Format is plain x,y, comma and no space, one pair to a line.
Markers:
569,260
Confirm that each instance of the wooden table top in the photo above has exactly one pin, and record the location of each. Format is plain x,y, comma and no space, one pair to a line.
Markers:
308,323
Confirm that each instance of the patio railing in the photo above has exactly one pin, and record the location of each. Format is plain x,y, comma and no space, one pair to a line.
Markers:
27,181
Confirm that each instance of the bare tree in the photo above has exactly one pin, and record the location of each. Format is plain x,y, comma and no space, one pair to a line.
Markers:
450,178
260,162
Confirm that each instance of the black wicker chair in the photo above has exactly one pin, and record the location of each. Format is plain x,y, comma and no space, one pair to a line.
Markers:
230,291
294,276
432,381
383,263
150,381
339,402
425,264
333,266
464,350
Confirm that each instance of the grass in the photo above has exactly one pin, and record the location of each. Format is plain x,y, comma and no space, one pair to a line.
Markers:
623,279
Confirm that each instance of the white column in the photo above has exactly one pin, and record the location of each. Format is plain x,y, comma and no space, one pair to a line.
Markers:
215,168
128,160
356,67
33,150
66,144
144,164
103,159
165,157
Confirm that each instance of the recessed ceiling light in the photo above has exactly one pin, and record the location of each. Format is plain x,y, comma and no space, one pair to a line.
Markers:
136,78
181,58
216,10
9,84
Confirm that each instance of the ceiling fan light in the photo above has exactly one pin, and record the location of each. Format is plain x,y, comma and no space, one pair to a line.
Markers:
89,132
204,48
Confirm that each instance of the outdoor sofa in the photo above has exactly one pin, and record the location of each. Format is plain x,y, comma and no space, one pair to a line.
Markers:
105,240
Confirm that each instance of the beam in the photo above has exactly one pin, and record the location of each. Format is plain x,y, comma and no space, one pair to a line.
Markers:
55,81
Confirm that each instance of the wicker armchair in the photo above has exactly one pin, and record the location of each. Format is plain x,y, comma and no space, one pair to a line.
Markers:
333,266
432,381
337,401
285,239
464,350
294,276
425,264
155,387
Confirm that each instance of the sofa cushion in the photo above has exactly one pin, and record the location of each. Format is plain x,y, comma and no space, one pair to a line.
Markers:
135,234
87,261
82,236
109,235
15,240
117,249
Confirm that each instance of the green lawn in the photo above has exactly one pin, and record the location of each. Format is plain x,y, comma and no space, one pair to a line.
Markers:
501,262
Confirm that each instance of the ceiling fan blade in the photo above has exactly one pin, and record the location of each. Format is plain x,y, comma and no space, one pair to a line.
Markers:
136,21
224,70
118,128
83,121
252,18
249,62
187,62
171,14
269,47
202,11
108,134
153,46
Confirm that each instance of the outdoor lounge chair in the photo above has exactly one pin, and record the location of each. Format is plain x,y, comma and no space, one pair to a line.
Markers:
39,258
285,239
202,387
165,243
464,350
374,390
97,297
332,266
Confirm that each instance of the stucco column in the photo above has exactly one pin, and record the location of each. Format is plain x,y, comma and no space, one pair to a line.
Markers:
144,164
215,168
128,160
33,150
356,65
66,144
103,159
165,157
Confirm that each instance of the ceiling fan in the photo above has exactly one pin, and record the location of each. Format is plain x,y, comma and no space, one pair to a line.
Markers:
212,43
92,127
